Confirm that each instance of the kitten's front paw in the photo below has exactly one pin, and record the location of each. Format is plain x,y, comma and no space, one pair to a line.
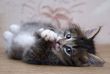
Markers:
49,35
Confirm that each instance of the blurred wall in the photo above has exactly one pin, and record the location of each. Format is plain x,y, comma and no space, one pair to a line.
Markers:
87,13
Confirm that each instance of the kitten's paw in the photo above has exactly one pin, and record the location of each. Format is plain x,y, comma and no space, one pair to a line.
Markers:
49,35
8,35
14,28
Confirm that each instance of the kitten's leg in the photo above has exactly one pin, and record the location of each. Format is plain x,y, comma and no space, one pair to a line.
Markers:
49,35
15,45
8,37
14,28
9,49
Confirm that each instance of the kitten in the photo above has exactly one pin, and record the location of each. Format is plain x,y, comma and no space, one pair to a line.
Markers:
43,43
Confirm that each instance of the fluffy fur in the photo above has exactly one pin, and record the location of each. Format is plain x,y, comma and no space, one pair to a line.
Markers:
43,43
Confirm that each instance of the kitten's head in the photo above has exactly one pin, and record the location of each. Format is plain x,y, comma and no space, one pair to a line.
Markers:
76,48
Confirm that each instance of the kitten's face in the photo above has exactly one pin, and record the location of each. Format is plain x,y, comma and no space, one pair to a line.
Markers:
69,51
73,49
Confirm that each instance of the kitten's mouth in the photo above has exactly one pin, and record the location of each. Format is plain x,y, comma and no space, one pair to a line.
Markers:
56,45
60,42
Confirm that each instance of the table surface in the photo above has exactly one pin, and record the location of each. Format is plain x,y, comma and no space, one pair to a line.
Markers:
9,66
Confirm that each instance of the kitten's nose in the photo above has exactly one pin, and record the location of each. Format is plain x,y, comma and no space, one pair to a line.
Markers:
62,41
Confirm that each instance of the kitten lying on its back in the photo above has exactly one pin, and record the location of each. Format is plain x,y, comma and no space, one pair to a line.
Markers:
42,43
21,39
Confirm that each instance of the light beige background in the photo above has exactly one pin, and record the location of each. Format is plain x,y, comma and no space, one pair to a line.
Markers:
92,13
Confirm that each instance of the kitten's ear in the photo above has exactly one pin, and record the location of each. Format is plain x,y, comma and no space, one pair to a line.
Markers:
91,34
94,60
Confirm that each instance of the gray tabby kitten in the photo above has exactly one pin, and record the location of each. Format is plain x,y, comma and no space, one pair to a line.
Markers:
43,43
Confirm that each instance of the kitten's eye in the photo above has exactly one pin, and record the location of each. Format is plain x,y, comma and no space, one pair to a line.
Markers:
67,50
68,36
